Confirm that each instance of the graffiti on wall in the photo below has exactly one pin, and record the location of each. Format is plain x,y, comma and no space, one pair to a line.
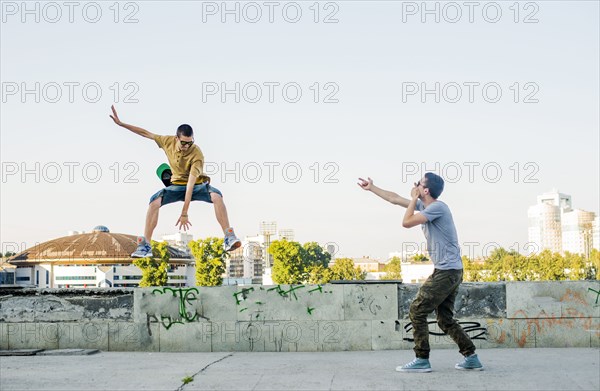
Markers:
597,292
473,329
242,297
186,296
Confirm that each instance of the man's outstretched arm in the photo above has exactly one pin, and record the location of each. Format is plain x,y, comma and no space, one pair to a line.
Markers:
134,129
389,196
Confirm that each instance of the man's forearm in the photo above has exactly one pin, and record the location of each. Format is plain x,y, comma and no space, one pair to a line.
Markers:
410,210
188,199
389,196
189,190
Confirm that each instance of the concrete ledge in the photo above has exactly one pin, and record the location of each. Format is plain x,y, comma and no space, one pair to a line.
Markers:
294,318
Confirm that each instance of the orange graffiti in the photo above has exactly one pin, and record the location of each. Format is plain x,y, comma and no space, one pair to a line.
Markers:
572,296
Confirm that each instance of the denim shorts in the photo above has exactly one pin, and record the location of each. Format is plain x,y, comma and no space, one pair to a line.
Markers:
176,193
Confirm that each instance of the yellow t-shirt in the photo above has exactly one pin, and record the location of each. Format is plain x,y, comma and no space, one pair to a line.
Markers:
183,162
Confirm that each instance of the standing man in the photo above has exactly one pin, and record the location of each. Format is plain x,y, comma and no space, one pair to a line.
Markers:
439,291
188,184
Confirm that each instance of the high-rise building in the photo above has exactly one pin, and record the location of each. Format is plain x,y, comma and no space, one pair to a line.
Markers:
267,230
577,234
554,225
554,197
268,233
544,227
245,261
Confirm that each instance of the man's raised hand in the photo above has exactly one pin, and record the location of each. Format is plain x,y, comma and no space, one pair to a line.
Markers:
365,184
115,117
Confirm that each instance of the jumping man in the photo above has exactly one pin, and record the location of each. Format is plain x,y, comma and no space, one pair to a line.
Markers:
188,184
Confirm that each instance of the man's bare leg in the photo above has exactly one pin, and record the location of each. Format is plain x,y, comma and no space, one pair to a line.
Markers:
231,241
152,218
220,211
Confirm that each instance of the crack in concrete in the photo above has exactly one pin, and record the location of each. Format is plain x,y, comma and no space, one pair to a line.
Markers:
331,384
180,388
258,382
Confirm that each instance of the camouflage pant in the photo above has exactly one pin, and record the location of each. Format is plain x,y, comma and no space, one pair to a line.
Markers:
438,293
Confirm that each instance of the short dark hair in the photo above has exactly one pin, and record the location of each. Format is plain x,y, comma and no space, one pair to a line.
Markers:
185,130
435,184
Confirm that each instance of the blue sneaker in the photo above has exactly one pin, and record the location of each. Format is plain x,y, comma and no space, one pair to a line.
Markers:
143,249
470,363
416,365
231,242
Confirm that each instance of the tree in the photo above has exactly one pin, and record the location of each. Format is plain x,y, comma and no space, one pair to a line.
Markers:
314,255
499,265
503,265
318,274
210,264
298,264
344,269
594,269
419,258
473,272
154,268
550,266
288,262
576,265
393,269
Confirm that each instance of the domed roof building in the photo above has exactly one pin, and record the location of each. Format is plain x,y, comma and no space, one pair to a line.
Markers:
96,259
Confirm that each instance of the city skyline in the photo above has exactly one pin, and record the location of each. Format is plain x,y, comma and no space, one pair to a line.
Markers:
561,203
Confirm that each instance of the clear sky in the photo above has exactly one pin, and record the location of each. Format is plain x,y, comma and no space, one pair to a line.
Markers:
517,114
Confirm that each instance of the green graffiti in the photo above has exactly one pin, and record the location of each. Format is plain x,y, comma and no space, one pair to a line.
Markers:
275,288
283,293
244,293
186,296
597,294
318,288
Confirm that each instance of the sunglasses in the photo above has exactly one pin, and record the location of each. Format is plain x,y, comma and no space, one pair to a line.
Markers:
184,143
420,184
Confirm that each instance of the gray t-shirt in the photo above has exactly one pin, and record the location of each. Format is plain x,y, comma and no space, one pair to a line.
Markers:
440,232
